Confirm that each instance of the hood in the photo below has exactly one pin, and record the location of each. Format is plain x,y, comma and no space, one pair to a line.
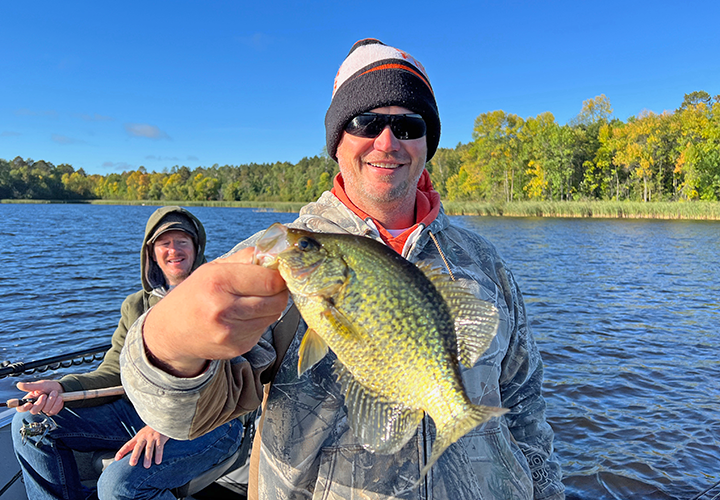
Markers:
152,276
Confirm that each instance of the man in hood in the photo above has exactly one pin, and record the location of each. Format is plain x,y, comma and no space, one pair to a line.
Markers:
173,247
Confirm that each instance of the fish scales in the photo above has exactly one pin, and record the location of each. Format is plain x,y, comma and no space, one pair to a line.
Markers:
396,360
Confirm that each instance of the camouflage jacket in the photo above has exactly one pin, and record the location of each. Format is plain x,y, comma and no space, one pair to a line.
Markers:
307,449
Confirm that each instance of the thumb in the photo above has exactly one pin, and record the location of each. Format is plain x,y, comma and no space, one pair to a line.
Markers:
244,256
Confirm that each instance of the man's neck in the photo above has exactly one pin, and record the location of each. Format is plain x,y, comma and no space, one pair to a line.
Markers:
395,215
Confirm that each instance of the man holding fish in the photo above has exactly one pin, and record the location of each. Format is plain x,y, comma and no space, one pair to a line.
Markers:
400,381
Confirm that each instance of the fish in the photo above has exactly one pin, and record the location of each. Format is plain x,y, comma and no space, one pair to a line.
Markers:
400,332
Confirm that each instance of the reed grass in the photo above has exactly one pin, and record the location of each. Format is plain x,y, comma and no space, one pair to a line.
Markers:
273,206
598,209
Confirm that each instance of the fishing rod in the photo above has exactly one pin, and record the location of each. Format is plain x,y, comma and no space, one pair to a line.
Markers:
8,369
71,396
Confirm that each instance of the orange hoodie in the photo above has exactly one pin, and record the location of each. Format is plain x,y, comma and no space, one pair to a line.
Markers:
427,207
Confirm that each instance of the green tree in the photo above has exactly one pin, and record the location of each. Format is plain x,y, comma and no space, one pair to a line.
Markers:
444,165
492,161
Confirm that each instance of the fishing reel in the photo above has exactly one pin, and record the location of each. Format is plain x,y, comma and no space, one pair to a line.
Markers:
32,429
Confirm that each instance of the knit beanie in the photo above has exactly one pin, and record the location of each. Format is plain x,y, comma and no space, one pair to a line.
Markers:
375,75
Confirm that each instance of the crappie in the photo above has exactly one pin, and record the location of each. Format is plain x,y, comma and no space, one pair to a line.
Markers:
399,333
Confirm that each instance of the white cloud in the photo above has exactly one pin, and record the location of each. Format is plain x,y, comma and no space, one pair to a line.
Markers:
30,112
162,158
94,117
119,166
63,139
145,130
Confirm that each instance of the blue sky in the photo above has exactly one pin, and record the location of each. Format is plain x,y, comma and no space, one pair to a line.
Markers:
111,86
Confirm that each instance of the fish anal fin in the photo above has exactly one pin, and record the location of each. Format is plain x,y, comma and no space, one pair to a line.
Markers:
476,321
447,435
382,426
312,349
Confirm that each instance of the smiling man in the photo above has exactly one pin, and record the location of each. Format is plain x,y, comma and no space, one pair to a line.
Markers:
210,350
172,247
147,464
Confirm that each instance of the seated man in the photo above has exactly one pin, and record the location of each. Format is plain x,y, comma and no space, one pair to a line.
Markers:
173,247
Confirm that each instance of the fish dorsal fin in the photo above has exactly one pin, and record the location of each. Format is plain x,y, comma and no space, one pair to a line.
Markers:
381,426
476,321
312,349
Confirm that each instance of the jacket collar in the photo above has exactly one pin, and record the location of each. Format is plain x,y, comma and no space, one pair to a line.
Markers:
427,207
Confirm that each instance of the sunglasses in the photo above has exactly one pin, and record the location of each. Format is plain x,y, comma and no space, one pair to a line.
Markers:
371,125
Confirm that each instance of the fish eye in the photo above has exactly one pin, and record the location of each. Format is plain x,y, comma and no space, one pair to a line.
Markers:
307,244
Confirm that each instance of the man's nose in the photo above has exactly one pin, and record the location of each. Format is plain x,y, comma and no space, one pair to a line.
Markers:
387,141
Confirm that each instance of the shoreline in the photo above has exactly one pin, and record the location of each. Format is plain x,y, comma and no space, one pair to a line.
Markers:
553,209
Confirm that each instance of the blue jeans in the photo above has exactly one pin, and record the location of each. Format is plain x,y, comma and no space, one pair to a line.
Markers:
50,470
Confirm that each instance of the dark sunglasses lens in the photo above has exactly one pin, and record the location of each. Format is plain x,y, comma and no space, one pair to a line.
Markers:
371,125
408,127
367,126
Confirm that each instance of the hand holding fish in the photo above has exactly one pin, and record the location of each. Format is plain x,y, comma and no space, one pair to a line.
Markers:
46,396
147,441
219,312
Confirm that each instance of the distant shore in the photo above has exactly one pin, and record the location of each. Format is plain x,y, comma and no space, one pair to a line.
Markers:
598,209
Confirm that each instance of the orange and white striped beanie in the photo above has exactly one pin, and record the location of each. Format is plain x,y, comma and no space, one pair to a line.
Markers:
375,75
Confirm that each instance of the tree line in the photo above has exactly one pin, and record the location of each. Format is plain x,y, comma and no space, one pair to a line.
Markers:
671,156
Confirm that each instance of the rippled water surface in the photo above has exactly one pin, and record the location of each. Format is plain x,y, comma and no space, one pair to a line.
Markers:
625,313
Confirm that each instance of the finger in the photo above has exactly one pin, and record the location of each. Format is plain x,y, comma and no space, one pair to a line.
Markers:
149,447
251,280
137,452
244,256
123,451
54,403
39,386
24,408
159,448
39,404
26,386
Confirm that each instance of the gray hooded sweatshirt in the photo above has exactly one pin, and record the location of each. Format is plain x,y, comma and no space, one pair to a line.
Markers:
154,288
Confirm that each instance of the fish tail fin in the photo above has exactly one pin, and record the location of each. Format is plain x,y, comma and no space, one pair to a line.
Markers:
456,429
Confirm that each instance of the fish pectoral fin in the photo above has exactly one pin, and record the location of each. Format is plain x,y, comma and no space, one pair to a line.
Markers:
312,349
338,323
382,426
476,321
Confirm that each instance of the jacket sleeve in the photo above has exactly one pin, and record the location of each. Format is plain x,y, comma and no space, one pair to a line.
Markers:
521,391
185,408
107,373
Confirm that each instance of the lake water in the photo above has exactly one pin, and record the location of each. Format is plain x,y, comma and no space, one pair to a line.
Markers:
625,313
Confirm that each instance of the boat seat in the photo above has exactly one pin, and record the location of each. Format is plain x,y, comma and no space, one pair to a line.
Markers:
101,459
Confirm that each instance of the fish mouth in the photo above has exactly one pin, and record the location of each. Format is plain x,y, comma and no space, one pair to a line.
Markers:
272,242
